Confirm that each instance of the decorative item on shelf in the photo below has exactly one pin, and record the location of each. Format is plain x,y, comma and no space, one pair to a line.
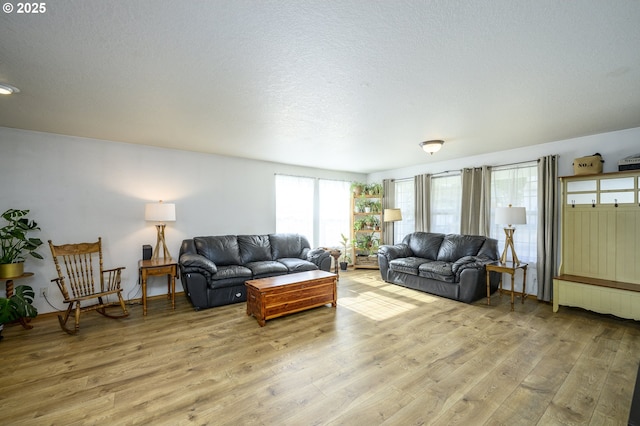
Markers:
160,212
431,146
631,162
357,188
591,164
373,189
368,243
15,244
510,216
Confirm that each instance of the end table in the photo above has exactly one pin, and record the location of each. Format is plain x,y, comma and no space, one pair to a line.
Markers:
508,268
158,267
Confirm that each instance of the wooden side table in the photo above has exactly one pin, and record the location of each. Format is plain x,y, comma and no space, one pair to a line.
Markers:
508,268
158,267
9,291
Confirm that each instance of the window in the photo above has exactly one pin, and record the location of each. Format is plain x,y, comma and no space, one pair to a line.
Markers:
517,185
333,211
446,204
405,201
295,205
315,208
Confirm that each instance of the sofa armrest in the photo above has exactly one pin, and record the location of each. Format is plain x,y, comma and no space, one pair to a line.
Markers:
396,251
469,262
321,258
389,252
191,262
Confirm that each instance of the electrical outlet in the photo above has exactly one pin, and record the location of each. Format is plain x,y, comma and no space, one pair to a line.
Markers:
43,292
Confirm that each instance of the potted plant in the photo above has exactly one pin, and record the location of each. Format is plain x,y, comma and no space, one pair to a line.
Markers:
361,204
19,305
15,244
345,258
369,221
357,188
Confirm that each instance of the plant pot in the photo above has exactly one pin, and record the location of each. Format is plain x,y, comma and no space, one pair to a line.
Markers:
11,270
343,266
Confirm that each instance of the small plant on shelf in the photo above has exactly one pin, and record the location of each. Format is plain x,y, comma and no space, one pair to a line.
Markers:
361,203
357,188
15,244
367,244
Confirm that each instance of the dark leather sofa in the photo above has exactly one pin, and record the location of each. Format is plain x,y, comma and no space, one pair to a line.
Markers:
214,269
449,265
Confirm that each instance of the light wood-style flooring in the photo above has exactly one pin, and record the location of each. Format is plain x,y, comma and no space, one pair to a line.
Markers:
385,356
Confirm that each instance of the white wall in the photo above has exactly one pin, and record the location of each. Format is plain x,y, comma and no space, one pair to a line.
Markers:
78,189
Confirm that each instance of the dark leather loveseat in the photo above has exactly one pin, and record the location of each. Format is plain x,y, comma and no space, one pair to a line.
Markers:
449,265
214,269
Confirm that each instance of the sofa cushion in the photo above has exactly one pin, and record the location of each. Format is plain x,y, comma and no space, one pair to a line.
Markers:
408,265
288,245
231,271
489,249
221,250
455,246
437,270
424,244
254,248
266,267
294,264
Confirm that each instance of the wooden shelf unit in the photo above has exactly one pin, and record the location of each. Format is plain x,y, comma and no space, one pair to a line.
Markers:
600,243
362,261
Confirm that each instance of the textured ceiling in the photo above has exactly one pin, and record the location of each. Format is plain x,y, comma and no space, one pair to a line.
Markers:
345,85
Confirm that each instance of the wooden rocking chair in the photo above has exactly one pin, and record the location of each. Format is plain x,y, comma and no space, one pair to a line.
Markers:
78,261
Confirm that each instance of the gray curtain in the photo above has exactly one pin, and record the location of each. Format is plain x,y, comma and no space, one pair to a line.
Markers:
422,188
476,201
388,202
547,225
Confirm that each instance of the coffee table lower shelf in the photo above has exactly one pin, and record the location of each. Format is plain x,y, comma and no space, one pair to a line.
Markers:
273,297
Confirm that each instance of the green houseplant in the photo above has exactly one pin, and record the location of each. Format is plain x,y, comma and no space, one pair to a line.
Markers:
345,250
19,305
15,244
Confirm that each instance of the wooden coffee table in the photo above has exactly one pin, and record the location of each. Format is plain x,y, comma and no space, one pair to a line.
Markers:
274,297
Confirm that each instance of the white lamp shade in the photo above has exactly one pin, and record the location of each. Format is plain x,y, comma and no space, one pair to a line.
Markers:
511,216
160,212
392,215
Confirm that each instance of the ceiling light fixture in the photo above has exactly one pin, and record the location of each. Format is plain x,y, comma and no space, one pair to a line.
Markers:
6,89
432,146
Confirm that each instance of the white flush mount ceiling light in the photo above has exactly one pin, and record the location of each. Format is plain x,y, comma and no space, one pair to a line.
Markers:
432,146
6,89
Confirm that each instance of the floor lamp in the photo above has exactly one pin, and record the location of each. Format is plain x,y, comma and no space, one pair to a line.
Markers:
160,212
392,215
510,216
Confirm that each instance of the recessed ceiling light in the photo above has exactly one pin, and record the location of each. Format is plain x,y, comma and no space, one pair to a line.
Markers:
6,89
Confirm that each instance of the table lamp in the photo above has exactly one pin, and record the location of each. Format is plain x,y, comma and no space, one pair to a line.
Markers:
510,216
160,212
